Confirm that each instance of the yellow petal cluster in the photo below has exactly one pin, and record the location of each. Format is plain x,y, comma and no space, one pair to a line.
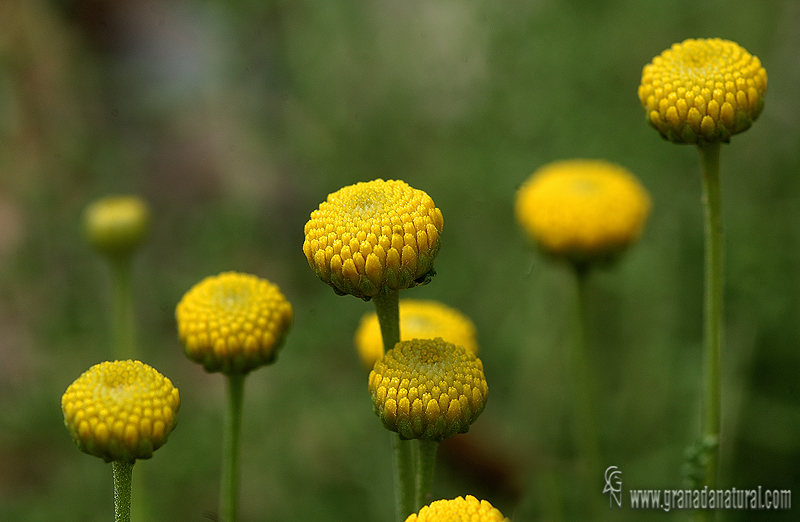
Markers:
419,319
459,509
373,236
703,90
120,411
582,210
428,389
117,225
233,322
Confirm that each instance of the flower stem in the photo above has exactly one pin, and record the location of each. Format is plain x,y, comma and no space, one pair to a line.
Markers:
387,308
583,385
229,489
712,342
124,328
425,465
404,484
122,473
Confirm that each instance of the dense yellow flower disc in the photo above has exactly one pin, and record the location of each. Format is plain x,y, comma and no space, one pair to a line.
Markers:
582,210
373,236
120,411
703,90
428,389
459,509
233,323
117,225
419,319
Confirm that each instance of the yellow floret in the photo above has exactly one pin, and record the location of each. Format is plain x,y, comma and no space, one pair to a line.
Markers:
120,411
703,90
233,323
117,225
582,210
373,236
460,509
419,319
428,389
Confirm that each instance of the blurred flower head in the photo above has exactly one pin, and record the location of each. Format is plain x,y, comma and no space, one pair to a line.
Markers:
374,236
233,323
117,225
428,389
582,210
419,319
703,90
120,411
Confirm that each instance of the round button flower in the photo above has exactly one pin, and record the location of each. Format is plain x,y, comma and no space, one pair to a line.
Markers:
120,411
460,509
419,319
582,210
233,323
117,225
374,236
428,389
703,90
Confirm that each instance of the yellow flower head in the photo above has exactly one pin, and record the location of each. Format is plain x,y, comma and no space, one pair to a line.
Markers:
428,389
233,323
582,210
117,225
703,91
419,319
459,509
120,411
373,236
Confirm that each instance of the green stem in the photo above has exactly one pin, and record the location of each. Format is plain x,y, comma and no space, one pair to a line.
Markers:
387,307
404,483
425,465
583,385
229,488
122,472
124,328
712,342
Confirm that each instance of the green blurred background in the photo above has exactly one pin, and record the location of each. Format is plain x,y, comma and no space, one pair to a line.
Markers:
236,119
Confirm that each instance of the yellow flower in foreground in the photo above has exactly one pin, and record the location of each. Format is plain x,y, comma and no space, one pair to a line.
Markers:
120,411
373,236
459,509
233,323
428,389
419,319
703,90
117,225
582,210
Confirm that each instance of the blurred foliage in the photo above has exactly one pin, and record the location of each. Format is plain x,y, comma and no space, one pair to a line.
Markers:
235,119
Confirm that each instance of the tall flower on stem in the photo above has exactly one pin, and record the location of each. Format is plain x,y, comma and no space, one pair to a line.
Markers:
586,213
120,411
116,226
371,240
426,390
702,92
233,323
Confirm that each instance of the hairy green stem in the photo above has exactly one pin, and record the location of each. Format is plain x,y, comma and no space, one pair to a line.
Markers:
229,487
124,324
122,472
387,307
425,465
712,341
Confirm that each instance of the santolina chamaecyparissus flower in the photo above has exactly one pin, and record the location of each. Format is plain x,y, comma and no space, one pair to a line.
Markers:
374,236
582,210
117,225
419,319
233,322
428,389
459,509
703,90
120,411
